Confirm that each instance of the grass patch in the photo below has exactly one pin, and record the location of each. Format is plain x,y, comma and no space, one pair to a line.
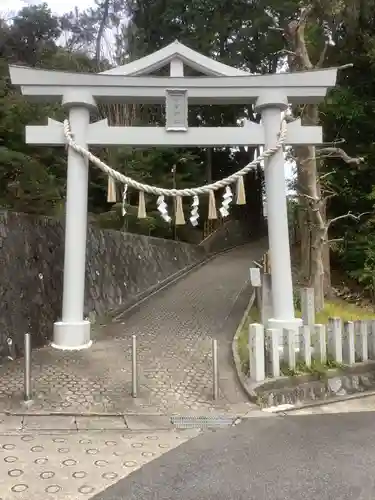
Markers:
341,309
316,368
336,308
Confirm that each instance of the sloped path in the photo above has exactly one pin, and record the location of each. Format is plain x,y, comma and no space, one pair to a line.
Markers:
174,329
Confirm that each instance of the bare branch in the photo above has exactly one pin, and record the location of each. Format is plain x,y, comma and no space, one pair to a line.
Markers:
322,56
335,240
346,216
295,34
338,153
322,177
305,12
346,66
103,22
286,52
332,143
331,152
311,198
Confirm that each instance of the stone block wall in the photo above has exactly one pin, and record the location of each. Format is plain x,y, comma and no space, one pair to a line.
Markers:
119,267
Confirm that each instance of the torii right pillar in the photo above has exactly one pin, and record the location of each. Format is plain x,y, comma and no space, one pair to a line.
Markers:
271,106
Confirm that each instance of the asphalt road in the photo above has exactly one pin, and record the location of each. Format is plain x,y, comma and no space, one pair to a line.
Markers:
312,457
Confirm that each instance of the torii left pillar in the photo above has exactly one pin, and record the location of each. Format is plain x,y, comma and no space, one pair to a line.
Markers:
73,331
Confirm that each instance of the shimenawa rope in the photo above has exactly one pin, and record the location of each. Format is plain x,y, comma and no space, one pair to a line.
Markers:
206,189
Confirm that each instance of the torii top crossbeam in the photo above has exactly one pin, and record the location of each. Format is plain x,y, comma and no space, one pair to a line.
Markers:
132,83
300,88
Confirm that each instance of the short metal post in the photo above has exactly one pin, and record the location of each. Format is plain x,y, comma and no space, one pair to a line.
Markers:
27,372
134,367
215,371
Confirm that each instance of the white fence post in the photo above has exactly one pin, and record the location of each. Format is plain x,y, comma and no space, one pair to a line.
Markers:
305,334
289,339
361,340
349,343
371,338
308,306
335,339
320,343
273,344
267,306
256,352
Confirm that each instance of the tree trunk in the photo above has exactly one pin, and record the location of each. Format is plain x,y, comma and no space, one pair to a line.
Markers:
313,236
312,214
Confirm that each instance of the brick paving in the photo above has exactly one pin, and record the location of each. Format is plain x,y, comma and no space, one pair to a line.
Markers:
174,330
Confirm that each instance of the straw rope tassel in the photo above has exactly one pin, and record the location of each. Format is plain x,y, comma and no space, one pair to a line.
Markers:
111,190
240,192
180,217
212,212
142,206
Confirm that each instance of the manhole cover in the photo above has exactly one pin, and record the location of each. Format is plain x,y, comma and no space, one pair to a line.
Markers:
189,422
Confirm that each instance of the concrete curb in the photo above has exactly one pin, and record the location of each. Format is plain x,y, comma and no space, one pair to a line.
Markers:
313,404
83,423
70,423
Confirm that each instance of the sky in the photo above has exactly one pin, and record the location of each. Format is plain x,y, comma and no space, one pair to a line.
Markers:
57,6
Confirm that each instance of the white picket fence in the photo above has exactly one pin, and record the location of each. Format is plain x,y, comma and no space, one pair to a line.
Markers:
344,342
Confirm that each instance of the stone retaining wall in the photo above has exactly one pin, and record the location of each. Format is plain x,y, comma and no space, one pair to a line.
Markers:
120,266
302,389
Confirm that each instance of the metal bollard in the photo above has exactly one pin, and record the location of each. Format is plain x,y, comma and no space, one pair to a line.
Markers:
215,371
27,372
134,367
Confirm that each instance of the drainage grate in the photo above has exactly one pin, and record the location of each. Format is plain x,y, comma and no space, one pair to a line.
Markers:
206,422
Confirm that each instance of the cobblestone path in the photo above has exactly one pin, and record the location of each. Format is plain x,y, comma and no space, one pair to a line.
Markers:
174,329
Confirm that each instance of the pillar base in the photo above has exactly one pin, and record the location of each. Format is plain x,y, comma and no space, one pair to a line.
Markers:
71,335
288,324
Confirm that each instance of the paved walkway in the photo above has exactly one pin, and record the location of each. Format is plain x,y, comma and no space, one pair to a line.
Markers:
174,329
73,458
77,457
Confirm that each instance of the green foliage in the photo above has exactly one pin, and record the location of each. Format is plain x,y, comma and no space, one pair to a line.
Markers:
33,179
316,368
348,115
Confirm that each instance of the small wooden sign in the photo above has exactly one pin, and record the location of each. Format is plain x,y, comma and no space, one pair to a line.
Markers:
255,278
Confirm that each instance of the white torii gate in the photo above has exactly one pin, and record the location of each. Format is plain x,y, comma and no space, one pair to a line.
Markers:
80,93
